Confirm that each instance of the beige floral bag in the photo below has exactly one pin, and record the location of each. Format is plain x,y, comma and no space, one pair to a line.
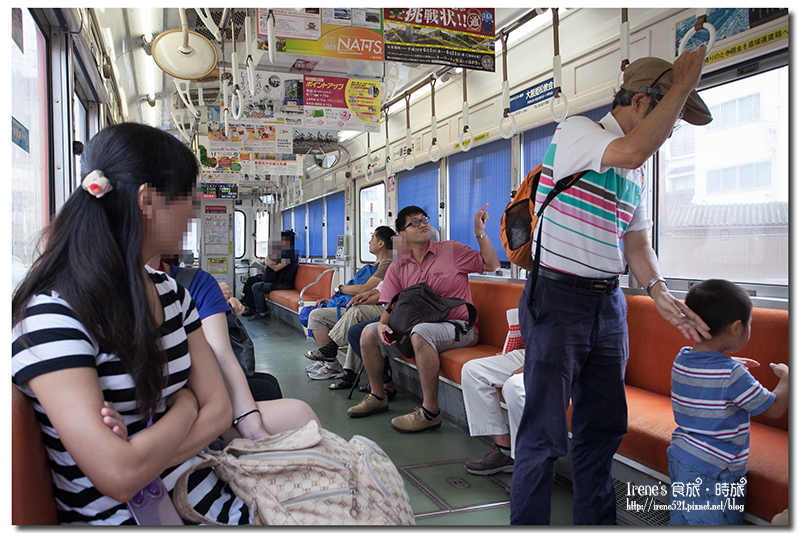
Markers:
309,476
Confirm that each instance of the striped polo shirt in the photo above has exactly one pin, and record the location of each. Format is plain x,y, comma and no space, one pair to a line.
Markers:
583,225
713,396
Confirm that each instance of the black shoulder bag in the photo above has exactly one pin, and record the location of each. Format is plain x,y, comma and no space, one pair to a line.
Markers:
241,343
419,304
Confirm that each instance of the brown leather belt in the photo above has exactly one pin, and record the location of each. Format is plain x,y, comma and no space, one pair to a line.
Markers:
592,284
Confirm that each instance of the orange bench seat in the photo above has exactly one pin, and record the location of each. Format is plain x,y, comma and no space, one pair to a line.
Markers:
311,283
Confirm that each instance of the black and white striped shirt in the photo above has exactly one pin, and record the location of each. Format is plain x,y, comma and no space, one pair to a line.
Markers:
50,338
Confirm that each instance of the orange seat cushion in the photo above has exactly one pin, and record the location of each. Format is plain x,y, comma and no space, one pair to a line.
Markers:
306,274
32,502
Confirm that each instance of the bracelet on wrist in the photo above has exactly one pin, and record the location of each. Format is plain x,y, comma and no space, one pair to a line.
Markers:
240,417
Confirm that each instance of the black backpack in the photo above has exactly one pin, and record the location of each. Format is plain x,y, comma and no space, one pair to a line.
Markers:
241,343
418,304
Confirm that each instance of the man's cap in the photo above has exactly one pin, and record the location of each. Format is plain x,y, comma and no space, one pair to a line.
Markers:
653,75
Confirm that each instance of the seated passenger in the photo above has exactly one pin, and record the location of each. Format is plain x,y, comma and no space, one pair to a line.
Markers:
91,322
281,277
445,266
260,391
480,379
713,396
330,331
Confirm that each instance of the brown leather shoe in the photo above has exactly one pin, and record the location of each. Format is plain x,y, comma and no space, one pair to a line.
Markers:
492,463
369,406
416,421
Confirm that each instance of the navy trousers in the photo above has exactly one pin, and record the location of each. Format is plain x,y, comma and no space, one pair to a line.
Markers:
576,348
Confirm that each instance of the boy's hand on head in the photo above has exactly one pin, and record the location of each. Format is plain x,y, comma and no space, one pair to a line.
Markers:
780,369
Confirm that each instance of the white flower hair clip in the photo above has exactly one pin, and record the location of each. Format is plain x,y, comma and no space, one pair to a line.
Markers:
96,184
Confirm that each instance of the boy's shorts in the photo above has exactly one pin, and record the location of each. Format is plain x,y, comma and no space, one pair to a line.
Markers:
701,500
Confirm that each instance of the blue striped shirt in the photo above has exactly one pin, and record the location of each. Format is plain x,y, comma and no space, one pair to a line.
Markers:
713,396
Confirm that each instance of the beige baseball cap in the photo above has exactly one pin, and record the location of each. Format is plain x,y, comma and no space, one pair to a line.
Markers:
653,75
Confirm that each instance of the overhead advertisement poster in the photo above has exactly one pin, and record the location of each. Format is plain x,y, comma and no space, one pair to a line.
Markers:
277,98
341,104
456,37
340,33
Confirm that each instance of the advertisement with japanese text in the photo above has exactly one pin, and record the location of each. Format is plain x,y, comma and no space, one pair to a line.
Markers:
341,104
340,33
457,37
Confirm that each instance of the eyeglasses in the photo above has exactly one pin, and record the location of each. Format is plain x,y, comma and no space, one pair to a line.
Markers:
417,221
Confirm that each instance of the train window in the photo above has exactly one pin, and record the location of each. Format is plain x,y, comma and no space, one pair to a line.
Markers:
420,187
262,234
191,240
29,150
315,228
240,245
300,229
478,177
80,135
724,188
372,203
334,221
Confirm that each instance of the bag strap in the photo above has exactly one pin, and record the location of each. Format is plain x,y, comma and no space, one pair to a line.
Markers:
180,494
185,275
560,186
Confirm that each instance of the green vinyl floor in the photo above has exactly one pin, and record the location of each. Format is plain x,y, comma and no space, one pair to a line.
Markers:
441,491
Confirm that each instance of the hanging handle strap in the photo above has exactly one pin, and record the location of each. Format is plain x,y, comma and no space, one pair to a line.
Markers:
506,98
370,172
388,148
271,41
700,24
251,68
465,119
433,125
408,150
624,46
557,92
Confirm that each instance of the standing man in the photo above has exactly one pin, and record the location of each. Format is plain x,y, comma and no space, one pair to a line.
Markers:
574,320
445,266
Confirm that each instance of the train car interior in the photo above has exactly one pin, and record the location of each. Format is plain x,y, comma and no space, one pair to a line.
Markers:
327,122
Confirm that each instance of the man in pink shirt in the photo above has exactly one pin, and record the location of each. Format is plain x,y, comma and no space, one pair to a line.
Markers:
445,266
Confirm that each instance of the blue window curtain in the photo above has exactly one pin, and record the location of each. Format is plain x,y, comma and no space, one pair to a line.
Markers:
315,228
334,225
478,177
536,141
420,187
300,230
286,220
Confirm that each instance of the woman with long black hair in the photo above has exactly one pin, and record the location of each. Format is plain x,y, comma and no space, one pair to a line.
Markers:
101,341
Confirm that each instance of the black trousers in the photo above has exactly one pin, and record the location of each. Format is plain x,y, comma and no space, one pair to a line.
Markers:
248,301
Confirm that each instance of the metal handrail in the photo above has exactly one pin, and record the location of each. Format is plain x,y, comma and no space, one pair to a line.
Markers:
302,292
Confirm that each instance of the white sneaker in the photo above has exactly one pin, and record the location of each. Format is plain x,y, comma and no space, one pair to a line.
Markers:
316,366
327,372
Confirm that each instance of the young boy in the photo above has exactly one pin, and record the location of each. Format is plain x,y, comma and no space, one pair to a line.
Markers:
713,396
